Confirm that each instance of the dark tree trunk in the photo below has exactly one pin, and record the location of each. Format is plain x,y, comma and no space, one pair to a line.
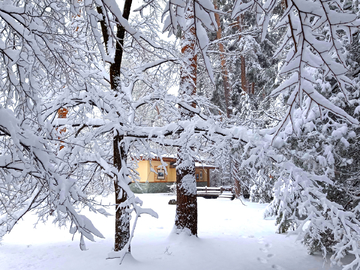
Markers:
120,35
244,85
122,218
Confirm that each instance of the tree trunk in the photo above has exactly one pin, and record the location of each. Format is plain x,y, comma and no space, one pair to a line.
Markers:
120,35
224,70
243,75
122,218
244,84
236,172
186,209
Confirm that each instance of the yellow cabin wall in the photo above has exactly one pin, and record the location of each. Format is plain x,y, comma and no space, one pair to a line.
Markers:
172,174
155,165
205,175
143,170
146,175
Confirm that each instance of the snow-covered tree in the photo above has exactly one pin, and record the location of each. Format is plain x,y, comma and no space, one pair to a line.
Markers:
190,17
109,138
54,57
307,143
40,54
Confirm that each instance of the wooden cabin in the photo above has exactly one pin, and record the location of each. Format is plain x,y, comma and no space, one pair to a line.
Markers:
154,177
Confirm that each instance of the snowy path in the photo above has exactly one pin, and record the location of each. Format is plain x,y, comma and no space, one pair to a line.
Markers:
231,236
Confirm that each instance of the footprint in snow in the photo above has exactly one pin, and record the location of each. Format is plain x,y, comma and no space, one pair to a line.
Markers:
265,250
262,260
247,236
261,240
277,267
268,245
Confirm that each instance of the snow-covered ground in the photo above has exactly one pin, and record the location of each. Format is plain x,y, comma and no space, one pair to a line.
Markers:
231,236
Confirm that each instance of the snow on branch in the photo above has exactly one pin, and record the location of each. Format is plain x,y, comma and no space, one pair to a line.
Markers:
174,18
32,181
315,30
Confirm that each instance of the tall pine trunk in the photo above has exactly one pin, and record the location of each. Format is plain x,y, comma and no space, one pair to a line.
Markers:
224,70
186,209
227,90
244,84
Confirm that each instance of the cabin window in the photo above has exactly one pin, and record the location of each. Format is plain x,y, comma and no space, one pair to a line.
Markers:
197,176
201,175
160,174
